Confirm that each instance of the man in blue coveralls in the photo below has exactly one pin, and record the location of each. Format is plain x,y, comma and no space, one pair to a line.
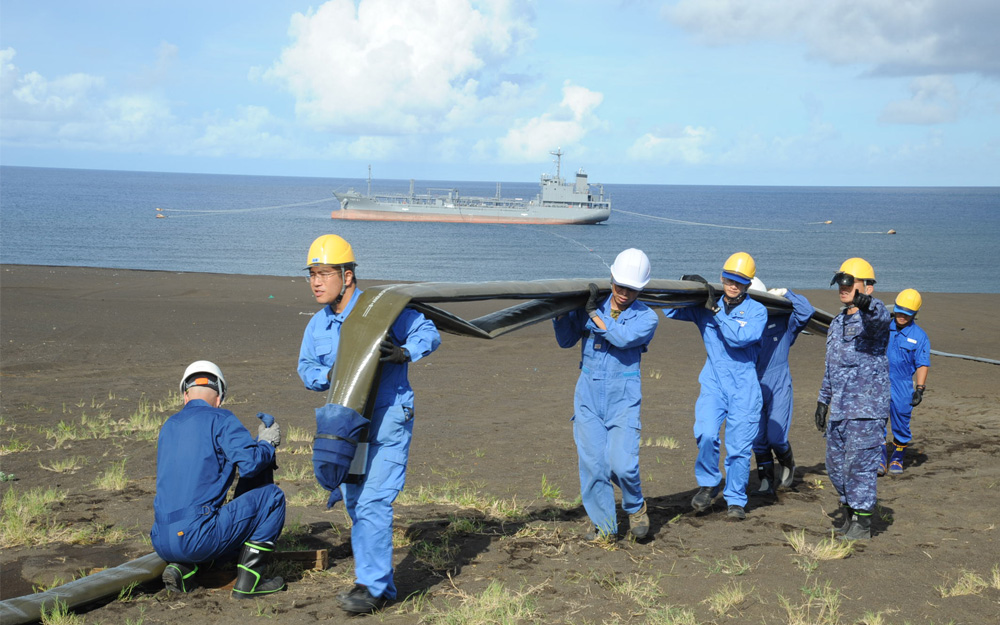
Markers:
614,333
197,454
731,327
776,390
909,360
333,280
855,396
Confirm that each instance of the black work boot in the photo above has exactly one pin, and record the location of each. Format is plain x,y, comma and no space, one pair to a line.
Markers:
360,601
765,473
178,577
843,519
861,526
703,499
787,474
249,583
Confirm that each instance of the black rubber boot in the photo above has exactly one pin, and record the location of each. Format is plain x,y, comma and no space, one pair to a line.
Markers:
787,475
360,601
765,473
843,519
861,526
178,577
249,583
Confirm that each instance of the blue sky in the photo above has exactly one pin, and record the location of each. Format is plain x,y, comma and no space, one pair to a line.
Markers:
727,92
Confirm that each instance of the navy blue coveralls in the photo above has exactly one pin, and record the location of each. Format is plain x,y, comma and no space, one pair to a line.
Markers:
197,454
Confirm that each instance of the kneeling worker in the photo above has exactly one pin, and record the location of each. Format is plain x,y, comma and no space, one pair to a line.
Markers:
198,452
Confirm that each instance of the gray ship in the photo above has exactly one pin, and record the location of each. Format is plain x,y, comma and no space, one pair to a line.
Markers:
558,202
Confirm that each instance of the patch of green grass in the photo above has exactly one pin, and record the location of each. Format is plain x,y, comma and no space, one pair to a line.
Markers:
114,479
313,496
821,606
496,605
731,565
661,441
7,477
549,491
642,588
968,583
437,555
727,598
296,472
463,495
59,614
64,465
464,526
13,446
27,519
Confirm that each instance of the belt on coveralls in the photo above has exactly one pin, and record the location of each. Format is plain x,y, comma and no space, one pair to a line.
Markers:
623,374
186,513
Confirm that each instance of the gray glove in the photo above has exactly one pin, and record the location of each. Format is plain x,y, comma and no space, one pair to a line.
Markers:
271,434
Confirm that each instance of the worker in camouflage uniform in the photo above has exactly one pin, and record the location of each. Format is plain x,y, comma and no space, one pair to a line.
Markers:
855,395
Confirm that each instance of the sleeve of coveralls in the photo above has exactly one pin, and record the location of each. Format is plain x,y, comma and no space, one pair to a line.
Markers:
923,355
802,311
743,332
681,314
311,371
569,328
249,456
421,335
876,319
825,392
639,331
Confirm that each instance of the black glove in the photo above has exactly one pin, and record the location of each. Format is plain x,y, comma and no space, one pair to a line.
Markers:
918,395
393,353
862,300
593,303
711,302
821,410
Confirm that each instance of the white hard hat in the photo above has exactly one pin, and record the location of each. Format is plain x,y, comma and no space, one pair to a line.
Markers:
757,285
631,269
191,378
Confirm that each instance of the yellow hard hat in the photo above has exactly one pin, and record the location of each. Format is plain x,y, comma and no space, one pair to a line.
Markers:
740,267
330,249
854,269
908,302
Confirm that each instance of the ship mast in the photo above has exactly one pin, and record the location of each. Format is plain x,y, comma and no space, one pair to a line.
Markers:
558,154
369,179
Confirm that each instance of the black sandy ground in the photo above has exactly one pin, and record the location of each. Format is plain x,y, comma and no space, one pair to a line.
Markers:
492,423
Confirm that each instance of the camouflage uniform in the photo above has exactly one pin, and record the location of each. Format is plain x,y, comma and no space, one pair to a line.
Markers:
856,387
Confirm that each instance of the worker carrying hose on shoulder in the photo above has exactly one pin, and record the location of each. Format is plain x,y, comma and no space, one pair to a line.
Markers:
775,378
731,327
614,332
855,396
198,452
333,280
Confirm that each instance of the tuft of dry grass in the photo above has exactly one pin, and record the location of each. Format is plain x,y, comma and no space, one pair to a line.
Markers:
968,583
496,605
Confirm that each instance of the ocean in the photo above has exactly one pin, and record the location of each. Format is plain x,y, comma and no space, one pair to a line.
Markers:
947,239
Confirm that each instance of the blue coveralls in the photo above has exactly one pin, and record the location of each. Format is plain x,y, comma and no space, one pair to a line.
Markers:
856,387
606,421
197,454
369,503
776,378
730,391
909,349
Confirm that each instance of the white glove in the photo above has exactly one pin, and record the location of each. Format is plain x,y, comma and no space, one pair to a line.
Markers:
270,434
778,292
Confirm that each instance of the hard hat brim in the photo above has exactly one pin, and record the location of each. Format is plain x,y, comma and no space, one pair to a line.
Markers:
735,277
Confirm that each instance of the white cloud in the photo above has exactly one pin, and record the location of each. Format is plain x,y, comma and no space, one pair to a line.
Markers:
894,37
933,100
32,97
390,67
567,125
678,145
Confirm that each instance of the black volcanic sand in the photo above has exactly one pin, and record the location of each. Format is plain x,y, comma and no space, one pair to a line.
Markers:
492,420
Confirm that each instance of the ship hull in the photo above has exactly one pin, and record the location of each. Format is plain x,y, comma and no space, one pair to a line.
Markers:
367,210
